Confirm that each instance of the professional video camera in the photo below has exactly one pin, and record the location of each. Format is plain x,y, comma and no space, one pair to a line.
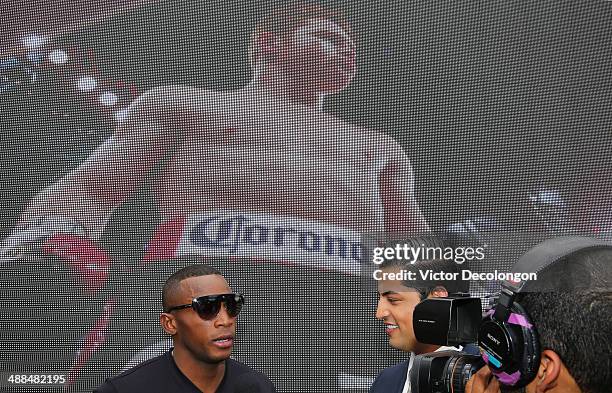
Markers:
507,337
448,321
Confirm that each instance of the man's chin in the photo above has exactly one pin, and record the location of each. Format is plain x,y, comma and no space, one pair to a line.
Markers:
399,345
215,357
335,86
332,84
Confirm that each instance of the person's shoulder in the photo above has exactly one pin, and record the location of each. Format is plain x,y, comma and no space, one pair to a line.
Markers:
172,104
390,375
239,368
182,94
147,366
373,137
249,376
136,376
392,371
379,144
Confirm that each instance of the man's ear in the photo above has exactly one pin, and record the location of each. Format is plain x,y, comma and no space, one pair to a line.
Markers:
548,373
439,291
168,323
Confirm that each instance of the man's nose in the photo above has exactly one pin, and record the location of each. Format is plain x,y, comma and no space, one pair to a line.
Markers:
223,318
381,311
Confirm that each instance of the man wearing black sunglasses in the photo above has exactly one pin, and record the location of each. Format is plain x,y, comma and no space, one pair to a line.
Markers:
200,312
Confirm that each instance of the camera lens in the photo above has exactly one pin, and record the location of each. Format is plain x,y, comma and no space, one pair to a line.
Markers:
443,371
459,370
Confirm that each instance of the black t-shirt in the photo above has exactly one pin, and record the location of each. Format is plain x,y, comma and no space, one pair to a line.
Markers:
161,375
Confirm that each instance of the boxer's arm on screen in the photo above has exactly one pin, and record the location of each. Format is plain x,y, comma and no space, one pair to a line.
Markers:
88,195
65,221
185,107
402,213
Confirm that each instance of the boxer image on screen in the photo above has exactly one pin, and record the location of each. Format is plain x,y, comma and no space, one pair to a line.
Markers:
266,148
259,172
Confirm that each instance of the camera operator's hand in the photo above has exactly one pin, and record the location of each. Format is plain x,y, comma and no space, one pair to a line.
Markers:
483,382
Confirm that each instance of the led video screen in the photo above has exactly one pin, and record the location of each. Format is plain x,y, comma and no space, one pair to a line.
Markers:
271,140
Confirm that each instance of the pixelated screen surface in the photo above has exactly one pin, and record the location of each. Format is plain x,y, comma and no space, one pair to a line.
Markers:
135,132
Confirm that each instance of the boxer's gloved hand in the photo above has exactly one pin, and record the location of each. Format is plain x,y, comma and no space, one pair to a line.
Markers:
63,239
88,261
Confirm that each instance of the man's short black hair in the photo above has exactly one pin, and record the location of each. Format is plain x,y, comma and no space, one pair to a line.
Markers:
577,325
426,287
173,282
